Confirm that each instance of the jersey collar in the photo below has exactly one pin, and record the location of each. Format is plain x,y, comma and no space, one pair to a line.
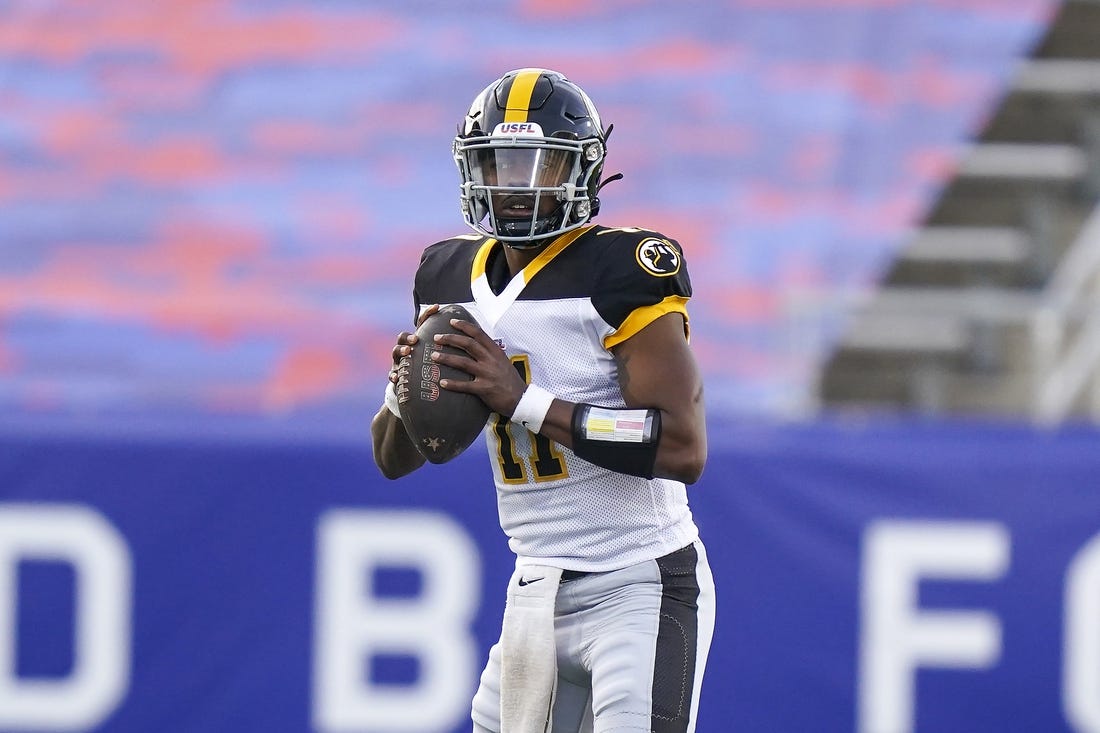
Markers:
493,306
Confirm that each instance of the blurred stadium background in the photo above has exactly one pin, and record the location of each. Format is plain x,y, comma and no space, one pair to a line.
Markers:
210,212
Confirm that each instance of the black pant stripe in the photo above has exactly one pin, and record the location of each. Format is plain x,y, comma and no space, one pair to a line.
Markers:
677,642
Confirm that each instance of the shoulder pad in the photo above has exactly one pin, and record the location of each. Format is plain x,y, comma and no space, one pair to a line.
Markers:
639,268
443,275
654,253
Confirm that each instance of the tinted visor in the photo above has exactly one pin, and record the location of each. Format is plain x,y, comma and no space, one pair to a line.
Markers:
520,167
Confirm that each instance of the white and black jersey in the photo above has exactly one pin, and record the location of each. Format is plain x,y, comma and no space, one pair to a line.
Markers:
557,320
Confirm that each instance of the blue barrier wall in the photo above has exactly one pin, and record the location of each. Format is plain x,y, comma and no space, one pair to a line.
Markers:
872,577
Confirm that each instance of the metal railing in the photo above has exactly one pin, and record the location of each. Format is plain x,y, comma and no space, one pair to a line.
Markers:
1065,333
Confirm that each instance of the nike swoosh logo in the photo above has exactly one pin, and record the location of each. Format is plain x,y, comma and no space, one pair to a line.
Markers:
525,581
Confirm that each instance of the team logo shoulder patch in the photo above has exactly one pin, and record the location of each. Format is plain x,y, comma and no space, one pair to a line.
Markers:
658,257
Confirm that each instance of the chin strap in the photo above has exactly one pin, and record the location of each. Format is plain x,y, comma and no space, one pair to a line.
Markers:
609,179
596,198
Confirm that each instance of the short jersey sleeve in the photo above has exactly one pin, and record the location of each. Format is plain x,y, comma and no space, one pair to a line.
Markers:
642,277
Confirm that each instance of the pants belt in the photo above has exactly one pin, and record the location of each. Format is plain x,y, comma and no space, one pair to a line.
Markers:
567,575
687,552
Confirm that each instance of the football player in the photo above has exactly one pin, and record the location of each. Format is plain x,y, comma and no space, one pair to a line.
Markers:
580,349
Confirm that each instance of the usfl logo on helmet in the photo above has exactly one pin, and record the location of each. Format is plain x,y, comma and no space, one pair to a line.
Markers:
518,128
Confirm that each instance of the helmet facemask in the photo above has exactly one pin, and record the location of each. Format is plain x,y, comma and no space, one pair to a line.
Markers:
524,189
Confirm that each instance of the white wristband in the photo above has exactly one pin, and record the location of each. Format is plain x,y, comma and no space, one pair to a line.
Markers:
391,400
532,408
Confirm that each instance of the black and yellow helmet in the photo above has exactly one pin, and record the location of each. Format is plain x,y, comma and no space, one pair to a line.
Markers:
530,152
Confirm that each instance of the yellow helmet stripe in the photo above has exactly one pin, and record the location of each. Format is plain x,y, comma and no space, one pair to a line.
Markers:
519,96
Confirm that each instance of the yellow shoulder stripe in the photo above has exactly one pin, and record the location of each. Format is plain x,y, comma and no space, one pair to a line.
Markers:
543,258
642,317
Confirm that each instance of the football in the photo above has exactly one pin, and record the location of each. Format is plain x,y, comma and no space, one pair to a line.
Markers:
440,422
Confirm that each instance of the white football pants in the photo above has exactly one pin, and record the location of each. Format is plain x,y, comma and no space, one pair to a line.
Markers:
632,648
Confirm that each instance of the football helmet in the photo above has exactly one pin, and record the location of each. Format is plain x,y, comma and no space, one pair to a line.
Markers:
530,153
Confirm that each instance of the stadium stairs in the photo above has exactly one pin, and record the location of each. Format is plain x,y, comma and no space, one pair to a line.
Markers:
993,306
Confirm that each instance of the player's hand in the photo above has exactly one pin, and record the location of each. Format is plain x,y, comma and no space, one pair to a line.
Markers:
495,379
405,341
